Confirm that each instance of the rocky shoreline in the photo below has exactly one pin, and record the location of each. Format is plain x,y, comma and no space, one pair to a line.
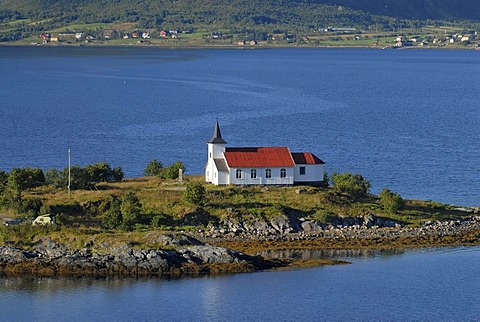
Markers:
184,255
286,227
347,236
51,259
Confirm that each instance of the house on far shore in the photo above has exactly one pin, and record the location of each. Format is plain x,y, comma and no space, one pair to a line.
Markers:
47,219
260,165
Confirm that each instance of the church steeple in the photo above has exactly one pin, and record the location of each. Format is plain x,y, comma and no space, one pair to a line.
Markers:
217,136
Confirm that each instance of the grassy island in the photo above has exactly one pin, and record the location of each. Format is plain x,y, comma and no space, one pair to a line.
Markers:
161,214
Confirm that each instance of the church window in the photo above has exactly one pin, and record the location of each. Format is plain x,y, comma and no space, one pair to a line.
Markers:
238,173
268,173
283,173
253,173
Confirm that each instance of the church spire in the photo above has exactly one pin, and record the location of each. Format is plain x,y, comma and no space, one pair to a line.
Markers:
217,136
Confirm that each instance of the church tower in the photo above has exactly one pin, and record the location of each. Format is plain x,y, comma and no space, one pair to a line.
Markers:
216,148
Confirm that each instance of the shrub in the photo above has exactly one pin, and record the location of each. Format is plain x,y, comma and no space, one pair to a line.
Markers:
324,216
45,209
390,201
31,206
113,216
157,221
352,184
154,168
171,172
195,194
130,209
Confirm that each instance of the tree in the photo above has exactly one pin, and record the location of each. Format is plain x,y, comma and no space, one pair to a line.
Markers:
56,178
195,193
171,172
80,178
19,180
26,178
390,201
154,168
117,174
130,209
99,172
352,184
88,176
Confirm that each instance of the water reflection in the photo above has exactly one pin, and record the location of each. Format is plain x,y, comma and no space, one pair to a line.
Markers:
415,285
52,285
306,254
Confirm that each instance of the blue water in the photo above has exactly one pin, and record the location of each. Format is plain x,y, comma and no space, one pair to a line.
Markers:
406,119
422,285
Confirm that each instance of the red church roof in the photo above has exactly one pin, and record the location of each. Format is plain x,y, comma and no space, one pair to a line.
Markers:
263,157
306,158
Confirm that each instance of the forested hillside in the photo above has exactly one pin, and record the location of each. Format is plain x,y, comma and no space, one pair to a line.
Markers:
257,19
414,9
187,13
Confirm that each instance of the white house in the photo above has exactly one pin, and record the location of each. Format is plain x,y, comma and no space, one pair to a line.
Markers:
260,165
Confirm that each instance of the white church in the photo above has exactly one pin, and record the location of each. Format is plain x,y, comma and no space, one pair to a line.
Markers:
260,165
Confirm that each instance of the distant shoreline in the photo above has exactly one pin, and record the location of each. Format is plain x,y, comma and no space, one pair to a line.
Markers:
200,47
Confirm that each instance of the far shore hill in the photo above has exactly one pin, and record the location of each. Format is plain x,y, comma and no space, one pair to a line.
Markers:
199,23
162,227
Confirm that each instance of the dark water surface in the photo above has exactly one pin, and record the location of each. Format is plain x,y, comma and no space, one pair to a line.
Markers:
407,119
421,285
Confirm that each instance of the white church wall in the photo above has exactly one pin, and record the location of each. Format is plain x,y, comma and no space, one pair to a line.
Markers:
313,173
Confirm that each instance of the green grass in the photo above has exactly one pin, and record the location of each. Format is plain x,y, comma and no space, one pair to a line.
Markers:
80,27
165,199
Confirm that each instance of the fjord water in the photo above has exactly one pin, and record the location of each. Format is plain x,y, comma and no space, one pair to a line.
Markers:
422,285
405,119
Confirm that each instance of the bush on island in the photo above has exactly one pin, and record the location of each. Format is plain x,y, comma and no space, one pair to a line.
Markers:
195,194
390,201
353,185
154,168
171,172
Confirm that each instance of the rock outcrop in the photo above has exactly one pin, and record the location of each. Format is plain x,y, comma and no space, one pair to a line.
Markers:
284,225
49,259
